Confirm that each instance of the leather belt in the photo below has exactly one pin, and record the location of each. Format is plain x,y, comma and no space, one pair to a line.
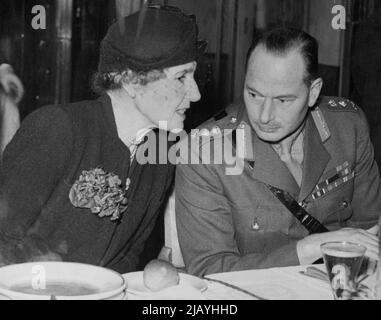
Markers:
309,222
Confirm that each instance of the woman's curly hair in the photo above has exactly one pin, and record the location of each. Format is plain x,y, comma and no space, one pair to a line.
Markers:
104,81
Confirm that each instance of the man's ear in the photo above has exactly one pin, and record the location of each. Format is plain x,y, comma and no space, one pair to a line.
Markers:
315,90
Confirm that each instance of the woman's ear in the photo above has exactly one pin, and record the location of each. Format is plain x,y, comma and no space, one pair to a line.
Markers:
130,89
315,90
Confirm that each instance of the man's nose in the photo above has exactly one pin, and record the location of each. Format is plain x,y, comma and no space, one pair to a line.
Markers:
266,111
193,93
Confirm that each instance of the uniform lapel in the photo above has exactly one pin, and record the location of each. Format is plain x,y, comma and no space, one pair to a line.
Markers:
316,158
262,160
269,169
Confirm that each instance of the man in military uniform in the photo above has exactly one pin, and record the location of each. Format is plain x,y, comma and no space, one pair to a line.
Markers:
313,149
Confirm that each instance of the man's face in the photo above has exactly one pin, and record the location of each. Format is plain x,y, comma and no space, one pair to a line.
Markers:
167,99
275,94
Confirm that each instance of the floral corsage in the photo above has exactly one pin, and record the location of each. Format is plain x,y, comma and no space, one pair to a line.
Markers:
100,192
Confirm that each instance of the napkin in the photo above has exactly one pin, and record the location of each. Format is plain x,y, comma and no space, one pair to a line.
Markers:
178,292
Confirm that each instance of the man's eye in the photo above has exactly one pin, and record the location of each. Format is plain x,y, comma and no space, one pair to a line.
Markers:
253,95
285,101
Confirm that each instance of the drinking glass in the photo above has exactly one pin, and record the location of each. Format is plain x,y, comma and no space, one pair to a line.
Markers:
343,262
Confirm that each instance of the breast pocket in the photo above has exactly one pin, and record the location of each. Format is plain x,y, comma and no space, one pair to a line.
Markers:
336,206
263,218
261,226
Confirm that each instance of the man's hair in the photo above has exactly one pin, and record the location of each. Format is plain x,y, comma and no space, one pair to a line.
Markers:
281,40
104,81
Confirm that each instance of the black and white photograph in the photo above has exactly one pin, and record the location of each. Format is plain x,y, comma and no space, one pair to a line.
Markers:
203,152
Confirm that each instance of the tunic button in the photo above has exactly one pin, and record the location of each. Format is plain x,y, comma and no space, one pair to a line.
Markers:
255,225
304,204
205,132
345,204
241,125
195,133
216,131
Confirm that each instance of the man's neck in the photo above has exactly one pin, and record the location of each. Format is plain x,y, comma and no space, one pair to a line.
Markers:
284,147
290,152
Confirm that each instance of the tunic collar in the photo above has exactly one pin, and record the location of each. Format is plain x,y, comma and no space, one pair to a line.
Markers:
266,165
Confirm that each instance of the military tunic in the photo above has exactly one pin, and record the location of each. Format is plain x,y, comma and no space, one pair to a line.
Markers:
230,222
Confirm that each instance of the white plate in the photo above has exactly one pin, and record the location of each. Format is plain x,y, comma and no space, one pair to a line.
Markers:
105,283
135,284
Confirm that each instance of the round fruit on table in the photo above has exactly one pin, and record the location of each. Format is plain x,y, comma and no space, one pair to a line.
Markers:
160,274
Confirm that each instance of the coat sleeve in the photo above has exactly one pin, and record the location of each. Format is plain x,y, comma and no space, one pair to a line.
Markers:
366,201
33,163
206,228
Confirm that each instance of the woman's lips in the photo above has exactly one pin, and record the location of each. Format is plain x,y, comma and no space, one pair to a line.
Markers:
181,112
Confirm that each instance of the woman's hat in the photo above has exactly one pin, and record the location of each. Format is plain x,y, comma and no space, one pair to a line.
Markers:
156,37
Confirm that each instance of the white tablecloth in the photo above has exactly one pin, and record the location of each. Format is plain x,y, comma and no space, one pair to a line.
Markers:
277,283
274,284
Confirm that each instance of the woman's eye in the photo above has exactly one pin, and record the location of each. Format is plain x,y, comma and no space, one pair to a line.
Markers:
252,94
182,78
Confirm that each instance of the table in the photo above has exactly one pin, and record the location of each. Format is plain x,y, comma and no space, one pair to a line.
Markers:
274,284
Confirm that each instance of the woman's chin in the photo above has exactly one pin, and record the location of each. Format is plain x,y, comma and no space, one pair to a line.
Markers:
176,126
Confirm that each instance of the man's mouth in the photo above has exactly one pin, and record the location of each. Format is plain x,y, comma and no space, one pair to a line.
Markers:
268,129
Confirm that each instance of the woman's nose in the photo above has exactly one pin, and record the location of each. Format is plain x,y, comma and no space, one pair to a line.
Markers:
193,93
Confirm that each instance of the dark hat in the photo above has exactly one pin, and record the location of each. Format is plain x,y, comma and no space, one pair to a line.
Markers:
156,37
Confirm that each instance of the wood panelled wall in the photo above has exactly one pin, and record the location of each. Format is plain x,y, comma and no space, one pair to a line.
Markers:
91,19
54,64
31,52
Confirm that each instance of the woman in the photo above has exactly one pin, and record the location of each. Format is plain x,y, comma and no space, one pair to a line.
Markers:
71,185
11,92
